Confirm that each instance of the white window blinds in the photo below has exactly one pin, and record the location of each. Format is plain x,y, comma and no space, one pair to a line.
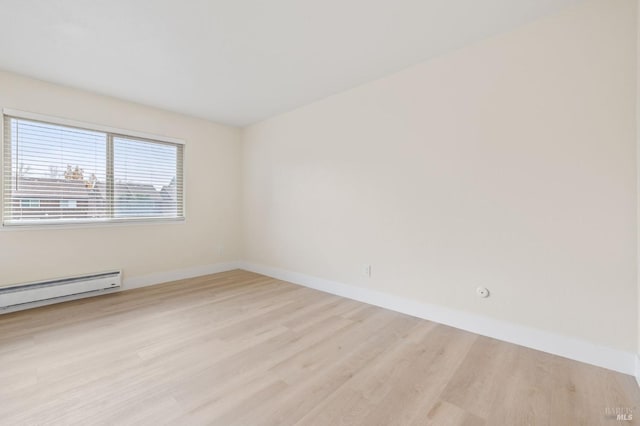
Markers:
57,173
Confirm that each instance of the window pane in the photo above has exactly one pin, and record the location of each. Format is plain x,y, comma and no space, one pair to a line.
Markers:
145,178
50,165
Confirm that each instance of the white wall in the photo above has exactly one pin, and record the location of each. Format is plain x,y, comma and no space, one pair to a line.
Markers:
212,203
638,177
510,164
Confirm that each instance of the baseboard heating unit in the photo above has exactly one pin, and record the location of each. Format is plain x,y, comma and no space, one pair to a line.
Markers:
23,296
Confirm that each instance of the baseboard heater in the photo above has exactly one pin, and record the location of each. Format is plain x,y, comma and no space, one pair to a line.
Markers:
24,296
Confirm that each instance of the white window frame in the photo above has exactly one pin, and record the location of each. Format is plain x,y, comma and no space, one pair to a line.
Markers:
55,224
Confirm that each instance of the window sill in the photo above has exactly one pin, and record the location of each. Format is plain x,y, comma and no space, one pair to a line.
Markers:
72,224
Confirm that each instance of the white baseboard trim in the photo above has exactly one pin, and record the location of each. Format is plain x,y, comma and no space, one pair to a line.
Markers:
176,274
568,347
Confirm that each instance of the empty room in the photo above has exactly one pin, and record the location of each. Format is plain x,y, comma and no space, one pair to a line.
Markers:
409,212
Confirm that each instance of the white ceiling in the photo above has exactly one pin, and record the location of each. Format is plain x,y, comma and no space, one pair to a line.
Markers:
240,61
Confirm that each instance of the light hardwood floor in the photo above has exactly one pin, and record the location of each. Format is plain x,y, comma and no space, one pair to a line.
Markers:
241,348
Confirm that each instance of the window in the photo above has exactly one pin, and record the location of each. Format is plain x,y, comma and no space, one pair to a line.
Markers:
29,203
57,171
68,204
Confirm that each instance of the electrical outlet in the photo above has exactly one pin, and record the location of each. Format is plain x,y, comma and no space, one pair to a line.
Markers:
366,271
482,292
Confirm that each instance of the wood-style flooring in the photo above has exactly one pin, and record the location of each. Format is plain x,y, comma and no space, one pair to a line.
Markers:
237,348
